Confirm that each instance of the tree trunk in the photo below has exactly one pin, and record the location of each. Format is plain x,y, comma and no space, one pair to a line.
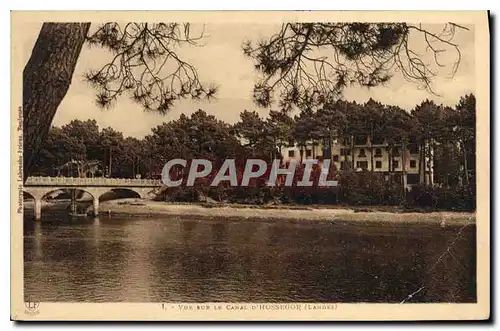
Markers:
403,159
466,170
110,161
324,148
46,79
330,146
424,162
82,170
421,163
133,167
389,154
352,153
344,144
428,160
273,154
371,153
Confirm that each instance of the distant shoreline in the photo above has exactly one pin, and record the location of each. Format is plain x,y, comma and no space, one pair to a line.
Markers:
133,207
139,207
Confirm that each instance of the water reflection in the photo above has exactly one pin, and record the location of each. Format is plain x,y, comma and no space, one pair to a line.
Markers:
37,236
142,260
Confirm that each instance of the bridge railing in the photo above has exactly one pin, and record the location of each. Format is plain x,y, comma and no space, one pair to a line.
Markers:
95,181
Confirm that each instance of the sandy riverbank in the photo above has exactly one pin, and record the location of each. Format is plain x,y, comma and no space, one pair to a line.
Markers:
139,207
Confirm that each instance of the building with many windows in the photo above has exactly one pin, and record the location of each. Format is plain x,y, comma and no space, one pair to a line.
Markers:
357,151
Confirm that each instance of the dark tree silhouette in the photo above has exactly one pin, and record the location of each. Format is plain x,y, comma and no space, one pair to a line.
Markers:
311,63
144,64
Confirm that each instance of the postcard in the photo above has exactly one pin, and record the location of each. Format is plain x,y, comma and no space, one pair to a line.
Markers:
257,166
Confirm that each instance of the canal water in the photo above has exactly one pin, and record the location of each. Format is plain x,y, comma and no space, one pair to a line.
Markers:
186,259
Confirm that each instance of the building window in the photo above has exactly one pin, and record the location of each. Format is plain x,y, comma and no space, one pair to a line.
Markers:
335,158
343,165
395,151
413,163
291,153
412,179
308,152
413,148
378,140
291,143
362,164
378,152
378,164
395,164
362,152
360,140
344,151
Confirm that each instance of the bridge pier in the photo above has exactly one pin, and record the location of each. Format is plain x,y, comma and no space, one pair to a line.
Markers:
73,202
38,209
96,206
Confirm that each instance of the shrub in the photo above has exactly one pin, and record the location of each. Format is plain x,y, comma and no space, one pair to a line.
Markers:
460,198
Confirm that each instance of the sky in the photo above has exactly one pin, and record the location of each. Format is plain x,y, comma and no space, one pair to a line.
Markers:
220,61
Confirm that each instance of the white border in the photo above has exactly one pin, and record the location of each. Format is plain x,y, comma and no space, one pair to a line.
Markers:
193,4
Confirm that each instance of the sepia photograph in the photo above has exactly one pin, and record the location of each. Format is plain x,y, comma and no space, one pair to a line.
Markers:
247,165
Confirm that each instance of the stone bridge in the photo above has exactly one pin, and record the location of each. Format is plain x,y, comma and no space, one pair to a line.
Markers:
39,187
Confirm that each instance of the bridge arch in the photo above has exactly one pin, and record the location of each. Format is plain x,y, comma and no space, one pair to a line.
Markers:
27,194
40,194
77,198
79,192
39,187
119,193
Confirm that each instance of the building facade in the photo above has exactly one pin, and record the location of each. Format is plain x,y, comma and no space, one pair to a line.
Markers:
357,151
